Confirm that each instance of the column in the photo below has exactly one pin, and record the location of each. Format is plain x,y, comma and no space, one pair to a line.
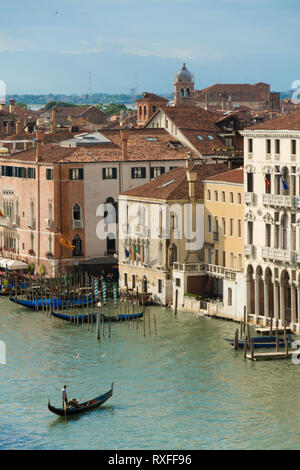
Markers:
266,298
293,303
248,290
256,291
282,303
276,300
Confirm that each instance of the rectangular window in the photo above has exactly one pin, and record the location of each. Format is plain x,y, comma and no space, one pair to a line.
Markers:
240,261
160,286
231,227
277,146
216,195
250,145
216,257
208,195
224,225
293,147
250,233
268,146
133,281
239,224
31,173
49,174
223,196
231,198
232,260
76,173
138,172
156,171
239,197
125,280
224,259
109,173
229,296
268,183
209,223
177,282
250,182
209,255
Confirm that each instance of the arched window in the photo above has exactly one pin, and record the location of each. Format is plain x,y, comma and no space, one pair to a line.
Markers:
145,111
76,212
144,284
153,109
285,181
77,242
140,111
181,92
110,217
187,92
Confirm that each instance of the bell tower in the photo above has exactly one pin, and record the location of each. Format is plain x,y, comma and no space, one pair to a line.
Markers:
184,90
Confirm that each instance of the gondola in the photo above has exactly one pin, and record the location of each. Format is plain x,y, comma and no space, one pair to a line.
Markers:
81,407
262,339
39,304
85,318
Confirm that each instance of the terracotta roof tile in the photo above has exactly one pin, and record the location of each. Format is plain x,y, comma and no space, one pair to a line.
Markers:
230,176
289,122
146,96
173,185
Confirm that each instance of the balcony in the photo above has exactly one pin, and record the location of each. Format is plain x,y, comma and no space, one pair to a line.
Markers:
189,267
249,250
249,198
49,224
31,223
215,236
276,254
222,272
77,224
279,200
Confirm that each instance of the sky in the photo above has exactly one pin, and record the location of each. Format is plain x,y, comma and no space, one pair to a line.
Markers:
51,47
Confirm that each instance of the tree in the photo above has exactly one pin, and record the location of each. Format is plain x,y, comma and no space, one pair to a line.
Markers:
19,104
59,104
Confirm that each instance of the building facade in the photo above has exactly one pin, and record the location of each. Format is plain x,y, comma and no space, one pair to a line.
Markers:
224,240
272,224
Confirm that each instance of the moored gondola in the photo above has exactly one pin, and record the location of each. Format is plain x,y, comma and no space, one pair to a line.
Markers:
81,407
85,318
39,304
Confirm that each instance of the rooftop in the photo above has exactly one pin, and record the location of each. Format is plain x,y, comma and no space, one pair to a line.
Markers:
230,176
174,185
290,122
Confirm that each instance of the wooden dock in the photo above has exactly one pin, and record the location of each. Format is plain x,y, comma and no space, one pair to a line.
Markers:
267,330
271,355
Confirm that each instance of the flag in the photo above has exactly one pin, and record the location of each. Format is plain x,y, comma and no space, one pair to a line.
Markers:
284,183
127,254
66,243
131,254
136,250
267,182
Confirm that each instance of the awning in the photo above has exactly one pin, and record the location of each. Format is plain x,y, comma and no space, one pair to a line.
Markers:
12,264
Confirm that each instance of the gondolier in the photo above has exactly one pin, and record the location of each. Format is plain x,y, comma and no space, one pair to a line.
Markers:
64,397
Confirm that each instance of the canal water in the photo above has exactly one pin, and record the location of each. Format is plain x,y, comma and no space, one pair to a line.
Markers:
184,388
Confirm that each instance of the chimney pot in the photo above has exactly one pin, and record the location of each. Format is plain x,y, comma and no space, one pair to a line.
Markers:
124,138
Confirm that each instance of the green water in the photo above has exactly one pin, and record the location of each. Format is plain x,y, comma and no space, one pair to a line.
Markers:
184,388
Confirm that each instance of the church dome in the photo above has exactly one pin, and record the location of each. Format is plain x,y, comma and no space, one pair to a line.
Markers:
184,75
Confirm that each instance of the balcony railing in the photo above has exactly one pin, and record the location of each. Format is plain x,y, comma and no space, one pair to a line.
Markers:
77,224
249,198
222,271
189,267
276,254
249,250
279,200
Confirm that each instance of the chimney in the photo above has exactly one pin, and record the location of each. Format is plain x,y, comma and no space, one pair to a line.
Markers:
12,106
192,178
19,127
40,135
189,162
124,138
